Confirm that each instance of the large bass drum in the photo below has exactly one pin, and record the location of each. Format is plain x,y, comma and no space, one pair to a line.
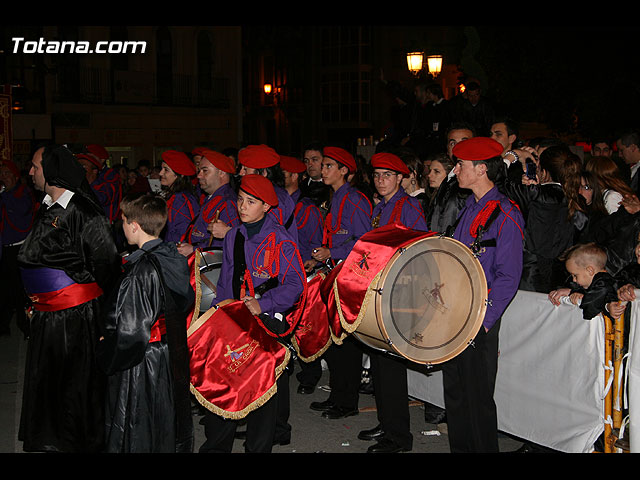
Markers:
425,304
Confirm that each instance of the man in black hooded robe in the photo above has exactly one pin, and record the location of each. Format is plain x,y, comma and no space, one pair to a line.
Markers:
68,261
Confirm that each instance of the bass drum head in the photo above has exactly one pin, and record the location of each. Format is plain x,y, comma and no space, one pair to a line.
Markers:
433,300
210,265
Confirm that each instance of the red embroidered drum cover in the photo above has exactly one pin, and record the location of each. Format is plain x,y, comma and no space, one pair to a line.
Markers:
312,336
414,294
234,362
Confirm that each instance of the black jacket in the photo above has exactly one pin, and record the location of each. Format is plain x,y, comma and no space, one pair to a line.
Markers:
442,209
141,398
548,233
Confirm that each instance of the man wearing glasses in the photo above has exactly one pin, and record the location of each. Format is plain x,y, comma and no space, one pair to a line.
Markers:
389,374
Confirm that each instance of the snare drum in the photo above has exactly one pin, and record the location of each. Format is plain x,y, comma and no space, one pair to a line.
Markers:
426,299
209,265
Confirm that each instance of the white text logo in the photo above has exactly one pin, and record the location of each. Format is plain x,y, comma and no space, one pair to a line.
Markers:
66,46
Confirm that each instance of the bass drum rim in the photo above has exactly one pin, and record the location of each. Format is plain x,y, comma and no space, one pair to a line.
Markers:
380,319
208,296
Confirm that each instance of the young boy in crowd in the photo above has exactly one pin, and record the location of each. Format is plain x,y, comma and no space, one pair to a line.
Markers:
144,325
592,287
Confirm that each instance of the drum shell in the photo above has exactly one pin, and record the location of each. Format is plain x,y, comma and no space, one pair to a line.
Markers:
209,267
429,332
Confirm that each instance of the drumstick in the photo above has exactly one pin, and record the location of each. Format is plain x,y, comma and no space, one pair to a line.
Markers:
215,219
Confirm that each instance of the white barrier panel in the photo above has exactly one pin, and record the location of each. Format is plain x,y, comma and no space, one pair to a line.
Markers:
633,372
550,386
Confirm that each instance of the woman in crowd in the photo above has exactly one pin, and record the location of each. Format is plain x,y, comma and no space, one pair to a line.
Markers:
610,180
414,183
613,226
548,205
442,209
592,210
175,178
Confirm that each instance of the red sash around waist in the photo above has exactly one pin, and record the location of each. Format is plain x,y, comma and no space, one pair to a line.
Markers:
67,297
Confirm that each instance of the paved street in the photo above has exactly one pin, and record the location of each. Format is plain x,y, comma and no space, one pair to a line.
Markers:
311,433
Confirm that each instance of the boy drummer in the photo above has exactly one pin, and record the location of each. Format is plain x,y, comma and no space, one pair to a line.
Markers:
267,251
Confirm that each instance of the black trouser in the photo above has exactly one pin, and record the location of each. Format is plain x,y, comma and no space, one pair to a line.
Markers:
389,374
345,372
469,384
310,372
262,425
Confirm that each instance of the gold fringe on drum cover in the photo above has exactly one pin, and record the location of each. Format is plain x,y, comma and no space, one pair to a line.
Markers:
249,408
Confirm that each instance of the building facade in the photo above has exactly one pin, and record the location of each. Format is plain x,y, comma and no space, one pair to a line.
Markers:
155,88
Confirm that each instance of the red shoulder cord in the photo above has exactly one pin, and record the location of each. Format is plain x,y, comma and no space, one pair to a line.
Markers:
483,216
396,214
329,231
270,259
507,215
272,266
209,212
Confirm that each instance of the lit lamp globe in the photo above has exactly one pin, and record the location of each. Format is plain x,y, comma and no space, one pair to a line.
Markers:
434,63
414,61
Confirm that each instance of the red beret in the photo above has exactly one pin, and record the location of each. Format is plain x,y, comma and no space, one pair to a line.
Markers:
477,148
219,160
341,155
389,161
91,159
258,156
199,151
179,162
99,151
292,164
260,187
12,167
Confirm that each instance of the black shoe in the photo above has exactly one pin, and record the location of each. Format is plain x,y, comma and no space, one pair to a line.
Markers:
336,412
374,433
386,445
322,406
305,389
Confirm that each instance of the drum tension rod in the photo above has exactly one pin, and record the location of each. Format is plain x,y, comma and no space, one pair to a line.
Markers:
488,302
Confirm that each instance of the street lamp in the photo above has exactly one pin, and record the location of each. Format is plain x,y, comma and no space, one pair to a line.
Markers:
414,62
267,88
434,63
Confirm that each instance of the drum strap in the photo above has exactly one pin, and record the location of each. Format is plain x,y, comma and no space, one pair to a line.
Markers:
482,222
239,265
290,221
